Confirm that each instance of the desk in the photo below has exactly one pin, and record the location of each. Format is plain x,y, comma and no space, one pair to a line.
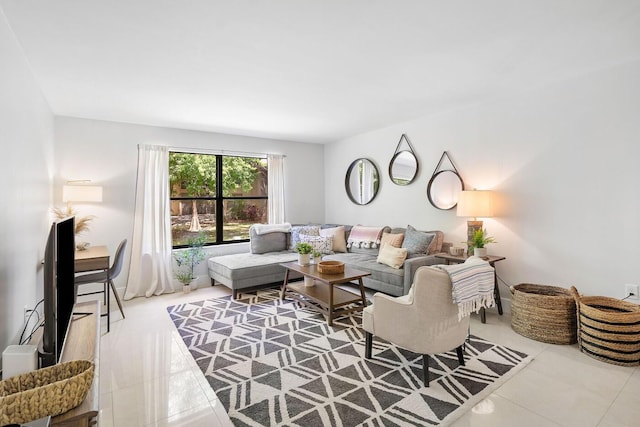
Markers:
91,259
96,258
491,259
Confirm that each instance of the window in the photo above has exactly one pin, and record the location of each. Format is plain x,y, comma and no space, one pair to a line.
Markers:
219,196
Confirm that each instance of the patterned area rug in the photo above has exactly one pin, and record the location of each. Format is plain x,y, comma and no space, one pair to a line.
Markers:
273,362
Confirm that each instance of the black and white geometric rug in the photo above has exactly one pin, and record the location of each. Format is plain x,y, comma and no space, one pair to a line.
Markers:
273,362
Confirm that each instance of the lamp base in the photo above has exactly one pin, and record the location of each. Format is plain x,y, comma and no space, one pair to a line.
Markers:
472,227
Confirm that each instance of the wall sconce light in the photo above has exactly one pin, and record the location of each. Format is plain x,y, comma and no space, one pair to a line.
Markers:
474,204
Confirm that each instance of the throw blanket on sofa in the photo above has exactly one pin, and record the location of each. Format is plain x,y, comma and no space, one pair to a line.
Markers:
364,237
272,228
472,285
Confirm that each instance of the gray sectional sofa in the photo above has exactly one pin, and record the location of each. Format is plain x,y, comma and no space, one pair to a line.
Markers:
261,266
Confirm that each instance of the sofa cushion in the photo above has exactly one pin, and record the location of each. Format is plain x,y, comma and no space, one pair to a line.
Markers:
319,243
269,242
436,243
338,235
391,256
247,266
394,240
297,230
347,228
364,262
417,242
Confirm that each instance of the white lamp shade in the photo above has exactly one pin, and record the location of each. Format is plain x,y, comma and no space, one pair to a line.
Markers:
81,193
475,203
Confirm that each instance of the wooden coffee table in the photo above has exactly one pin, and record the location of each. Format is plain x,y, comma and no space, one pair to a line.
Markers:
324,296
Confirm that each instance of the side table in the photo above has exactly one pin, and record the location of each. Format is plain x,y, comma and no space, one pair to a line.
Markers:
491,259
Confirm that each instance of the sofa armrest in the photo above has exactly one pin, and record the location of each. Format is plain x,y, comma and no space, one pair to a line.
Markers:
412,264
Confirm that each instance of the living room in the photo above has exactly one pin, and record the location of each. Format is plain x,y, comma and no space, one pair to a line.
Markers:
555,136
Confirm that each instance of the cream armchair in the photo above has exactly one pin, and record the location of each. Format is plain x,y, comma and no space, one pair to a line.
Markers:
424,321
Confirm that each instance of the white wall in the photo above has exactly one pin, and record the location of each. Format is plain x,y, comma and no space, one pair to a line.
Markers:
564,160
106,153
26,135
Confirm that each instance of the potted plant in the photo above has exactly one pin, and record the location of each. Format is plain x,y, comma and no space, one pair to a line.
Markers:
187,259
304,252
479,241
317,257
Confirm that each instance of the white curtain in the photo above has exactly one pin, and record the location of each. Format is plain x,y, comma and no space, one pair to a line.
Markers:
276,188
150,272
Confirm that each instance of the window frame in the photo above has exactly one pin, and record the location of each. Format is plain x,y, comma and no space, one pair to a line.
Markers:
219,197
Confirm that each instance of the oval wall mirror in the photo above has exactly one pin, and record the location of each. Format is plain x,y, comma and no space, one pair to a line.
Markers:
443,189
403,168
362,181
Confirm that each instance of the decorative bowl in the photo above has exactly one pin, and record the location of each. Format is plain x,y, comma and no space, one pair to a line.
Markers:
331,267
456,251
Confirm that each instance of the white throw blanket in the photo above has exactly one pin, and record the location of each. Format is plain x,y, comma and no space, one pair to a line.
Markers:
272,228
472,285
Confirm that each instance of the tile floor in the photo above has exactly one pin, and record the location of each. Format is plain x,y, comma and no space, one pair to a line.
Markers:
147,377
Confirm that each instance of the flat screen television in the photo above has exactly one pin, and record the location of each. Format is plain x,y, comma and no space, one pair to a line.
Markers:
59,288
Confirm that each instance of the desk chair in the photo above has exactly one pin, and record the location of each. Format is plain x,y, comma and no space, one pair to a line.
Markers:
106,278
425,321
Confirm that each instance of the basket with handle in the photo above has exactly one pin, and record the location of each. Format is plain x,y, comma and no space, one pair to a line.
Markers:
45,392
544,313
608,329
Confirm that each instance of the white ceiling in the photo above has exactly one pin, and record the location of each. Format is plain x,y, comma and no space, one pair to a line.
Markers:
308,70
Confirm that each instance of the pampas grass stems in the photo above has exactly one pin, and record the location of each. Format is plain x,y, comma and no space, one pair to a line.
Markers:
81,223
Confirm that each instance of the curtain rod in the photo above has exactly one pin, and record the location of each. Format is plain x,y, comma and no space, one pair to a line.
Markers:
218,151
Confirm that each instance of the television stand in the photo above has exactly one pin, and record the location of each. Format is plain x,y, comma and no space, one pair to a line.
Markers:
83,343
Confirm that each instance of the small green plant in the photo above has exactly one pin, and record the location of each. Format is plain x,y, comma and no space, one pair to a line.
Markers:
304,248
188,258
317,254
480,239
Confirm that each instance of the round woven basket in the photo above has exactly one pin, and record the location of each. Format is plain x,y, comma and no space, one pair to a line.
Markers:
544,313
331,267
609,329
45,392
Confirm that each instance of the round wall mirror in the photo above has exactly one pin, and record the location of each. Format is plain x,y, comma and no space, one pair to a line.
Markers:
403,168
362,181
443,189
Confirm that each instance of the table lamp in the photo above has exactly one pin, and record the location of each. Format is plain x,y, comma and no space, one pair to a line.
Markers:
78,191
474,204
81,193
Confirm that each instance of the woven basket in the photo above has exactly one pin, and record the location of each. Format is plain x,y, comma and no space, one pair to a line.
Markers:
331,267
544,313
45,392
609,329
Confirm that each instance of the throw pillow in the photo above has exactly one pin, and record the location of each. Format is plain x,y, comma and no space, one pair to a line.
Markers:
394,240
392,256
319,243
417,242
297,230
339,240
